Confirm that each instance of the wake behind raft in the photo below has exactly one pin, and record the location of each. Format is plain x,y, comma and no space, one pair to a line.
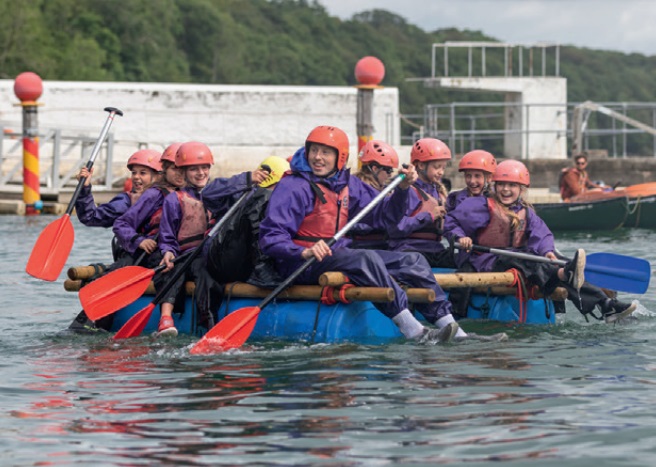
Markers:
335,311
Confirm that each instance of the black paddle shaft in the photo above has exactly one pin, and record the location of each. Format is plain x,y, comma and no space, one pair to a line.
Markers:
113,111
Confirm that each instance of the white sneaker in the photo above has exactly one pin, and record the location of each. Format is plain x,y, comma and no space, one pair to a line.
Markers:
575,270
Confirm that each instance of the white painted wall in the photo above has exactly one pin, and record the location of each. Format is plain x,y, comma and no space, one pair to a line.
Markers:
540,114
242,124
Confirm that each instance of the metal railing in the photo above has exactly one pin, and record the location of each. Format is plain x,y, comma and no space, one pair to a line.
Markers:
523,66
481,125
60,159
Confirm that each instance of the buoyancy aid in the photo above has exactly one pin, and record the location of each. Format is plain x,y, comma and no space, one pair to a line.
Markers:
151,227
433,231
329,216
194,222
499,232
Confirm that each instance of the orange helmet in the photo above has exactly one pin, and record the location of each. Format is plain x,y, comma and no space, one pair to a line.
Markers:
512,171
379,152
478,160
146,157
169,152
429,149
332,137
193,153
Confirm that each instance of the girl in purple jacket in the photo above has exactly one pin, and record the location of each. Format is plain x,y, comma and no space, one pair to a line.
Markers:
136,230
505,220
144,165
187,215
421,228
478,167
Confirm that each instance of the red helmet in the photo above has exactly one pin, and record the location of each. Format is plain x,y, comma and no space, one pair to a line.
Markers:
429,149
512,171
478,160
193,153
169,152
379,152
146,157
332,137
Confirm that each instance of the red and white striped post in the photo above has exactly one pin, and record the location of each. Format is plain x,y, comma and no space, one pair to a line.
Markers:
28,87
369,71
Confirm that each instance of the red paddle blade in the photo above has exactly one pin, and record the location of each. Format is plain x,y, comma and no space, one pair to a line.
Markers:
114,291
135,325
51,250
229,333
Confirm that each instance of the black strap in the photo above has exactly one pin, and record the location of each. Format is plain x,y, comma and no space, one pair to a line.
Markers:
318,192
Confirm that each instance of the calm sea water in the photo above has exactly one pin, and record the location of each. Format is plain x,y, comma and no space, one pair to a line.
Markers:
575,393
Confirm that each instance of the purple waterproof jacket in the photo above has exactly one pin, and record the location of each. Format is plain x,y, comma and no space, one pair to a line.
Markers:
473,215
128,227
293,199
455,198
399,233
217,196
105,214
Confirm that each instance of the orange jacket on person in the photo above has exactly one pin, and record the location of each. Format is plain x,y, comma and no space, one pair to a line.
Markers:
573,182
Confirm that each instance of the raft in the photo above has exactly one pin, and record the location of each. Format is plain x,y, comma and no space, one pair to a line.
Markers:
298,314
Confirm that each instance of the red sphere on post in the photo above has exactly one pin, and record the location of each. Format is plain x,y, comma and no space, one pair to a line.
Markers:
369,71
28,86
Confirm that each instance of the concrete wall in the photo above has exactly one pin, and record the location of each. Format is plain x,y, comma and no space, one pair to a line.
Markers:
536,112
242,124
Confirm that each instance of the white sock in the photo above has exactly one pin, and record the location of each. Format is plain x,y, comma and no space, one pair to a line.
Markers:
444,320
408,324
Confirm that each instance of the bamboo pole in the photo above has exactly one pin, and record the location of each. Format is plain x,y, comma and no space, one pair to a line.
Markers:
445,280
295,292
313,292
84,272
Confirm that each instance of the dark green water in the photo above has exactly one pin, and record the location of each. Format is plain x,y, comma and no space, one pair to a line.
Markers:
575,393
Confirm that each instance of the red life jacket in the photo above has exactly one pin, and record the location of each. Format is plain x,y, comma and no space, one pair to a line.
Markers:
194,222
499,233
433,231
329,216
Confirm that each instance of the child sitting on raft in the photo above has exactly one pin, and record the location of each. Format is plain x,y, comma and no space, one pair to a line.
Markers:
506,220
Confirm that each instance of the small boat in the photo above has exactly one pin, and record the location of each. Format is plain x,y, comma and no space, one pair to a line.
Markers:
608,213
641,203
296,316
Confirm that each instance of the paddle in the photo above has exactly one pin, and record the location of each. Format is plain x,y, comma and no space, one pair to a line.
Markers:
607,270
136,324
55,242
117,289
233,330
